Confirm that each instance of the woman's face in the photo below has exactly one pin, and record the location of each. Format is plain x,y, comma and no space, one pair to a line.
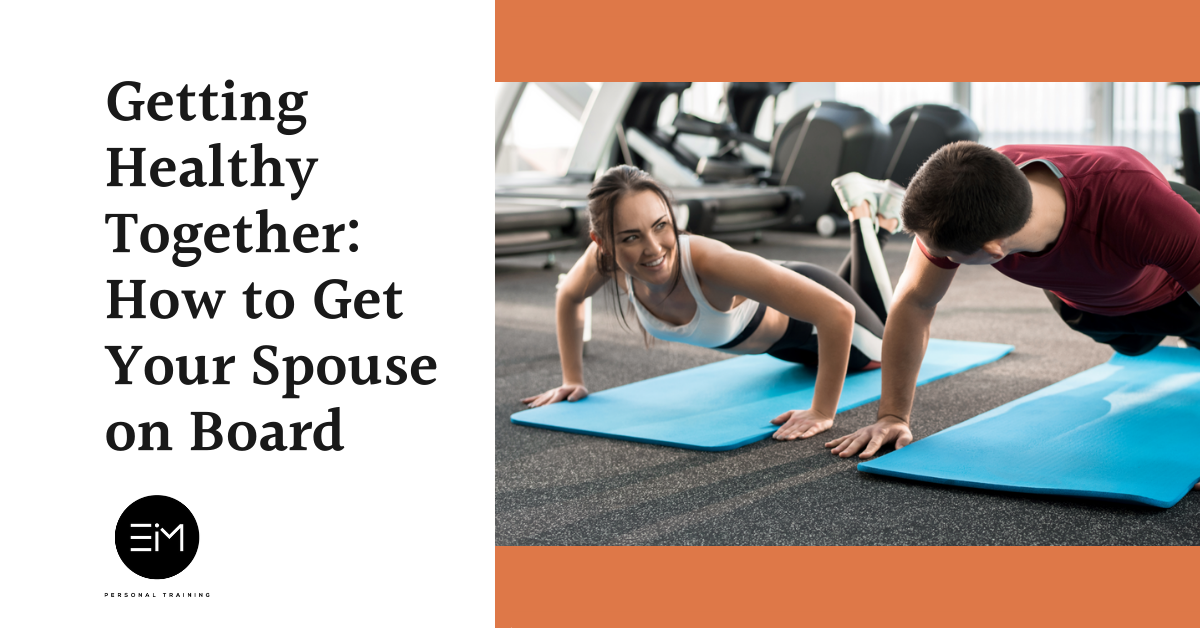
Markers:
644,246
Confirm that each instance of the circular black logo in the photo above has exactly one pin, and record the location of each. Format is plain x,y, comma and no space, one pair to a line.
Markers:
157,537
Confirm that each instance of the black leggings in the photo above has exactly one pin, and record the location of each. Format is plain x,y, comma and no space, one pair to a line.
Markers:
855,283
1139,332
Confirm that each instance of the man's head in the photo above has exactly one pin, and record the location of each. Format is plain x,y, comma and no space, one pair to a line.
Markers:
965,197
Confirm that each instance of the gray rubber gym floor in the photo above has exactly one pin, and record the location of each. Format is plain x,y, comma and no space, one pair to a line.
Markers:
554,488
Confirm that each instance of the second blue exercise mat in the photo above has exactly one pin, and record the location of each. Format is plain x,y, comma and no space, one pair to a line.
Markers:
728,404
1127,430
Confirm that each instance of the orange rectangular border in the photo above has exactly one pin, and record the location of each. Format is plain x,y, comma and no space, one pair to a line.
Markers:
904,586
868,40
926,40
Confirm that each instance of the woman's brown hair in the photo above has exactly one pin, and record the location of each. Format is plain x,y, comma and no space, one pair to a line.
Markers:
615,184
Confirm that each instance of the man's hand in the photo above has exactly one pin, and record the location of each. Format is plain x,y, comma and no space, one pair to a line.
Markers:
570,392
869,439
800,424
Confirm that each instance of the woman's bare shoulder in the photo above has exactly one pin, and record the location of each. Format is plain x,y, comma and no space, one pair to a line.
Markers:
709,255
707,250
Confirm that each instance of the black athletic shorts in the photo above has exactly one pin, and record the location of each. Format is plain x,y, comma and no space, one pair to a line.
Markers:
1137,333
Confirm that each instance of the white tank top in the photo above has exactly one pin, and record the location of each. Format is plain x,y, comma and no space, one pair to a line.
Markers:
710,327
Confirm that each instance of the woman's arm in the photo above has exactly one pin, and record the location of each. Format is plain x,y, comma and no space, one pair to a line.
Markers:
581,282
733,272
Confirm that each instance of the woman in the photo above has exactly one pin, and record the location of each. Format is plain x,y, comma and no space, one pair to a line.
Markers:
695,290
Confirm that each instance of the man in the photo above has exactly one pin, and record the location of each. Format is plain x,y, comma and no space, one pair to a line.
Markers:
1113,244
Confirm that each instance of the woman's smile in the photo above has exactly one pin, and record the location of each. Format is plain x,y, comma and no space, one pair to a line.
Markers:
645,238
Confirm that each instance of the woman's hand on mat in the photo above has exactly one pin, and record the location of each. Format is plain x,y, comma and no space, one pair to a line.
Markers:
570,392
801,424
869,439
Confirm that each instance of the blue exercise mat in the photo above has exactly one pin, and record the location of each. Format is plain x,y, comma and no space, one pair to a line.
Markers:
729,404
1127,430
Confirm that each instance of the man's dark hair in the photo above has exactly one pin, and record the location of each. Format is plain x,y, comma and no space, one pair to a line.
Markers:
966,195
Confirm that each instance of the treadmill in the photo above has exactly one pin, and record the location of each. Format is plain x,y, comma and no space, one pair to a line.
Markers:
816,145
743,101
724,193
526,201
543,224
539,225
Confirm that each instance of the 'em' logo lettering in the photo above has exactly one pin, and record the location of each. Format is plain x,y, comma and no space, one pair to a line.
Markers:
157,537
178,530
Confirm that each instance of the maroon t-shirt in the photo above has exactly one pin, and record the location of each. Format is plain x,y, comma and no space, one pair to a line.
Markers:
1128,244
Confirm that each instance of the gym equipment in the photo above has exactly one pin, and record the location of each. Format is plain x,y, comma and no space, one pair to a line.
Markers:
601,113
744,102
1189,138
539,225
545,225
712,210
821,142
1127,430
642,116
721,208
729,404
918,132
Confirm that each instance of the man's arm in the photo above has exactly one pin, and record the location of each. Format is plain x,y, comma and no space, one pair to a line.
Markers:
905,337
